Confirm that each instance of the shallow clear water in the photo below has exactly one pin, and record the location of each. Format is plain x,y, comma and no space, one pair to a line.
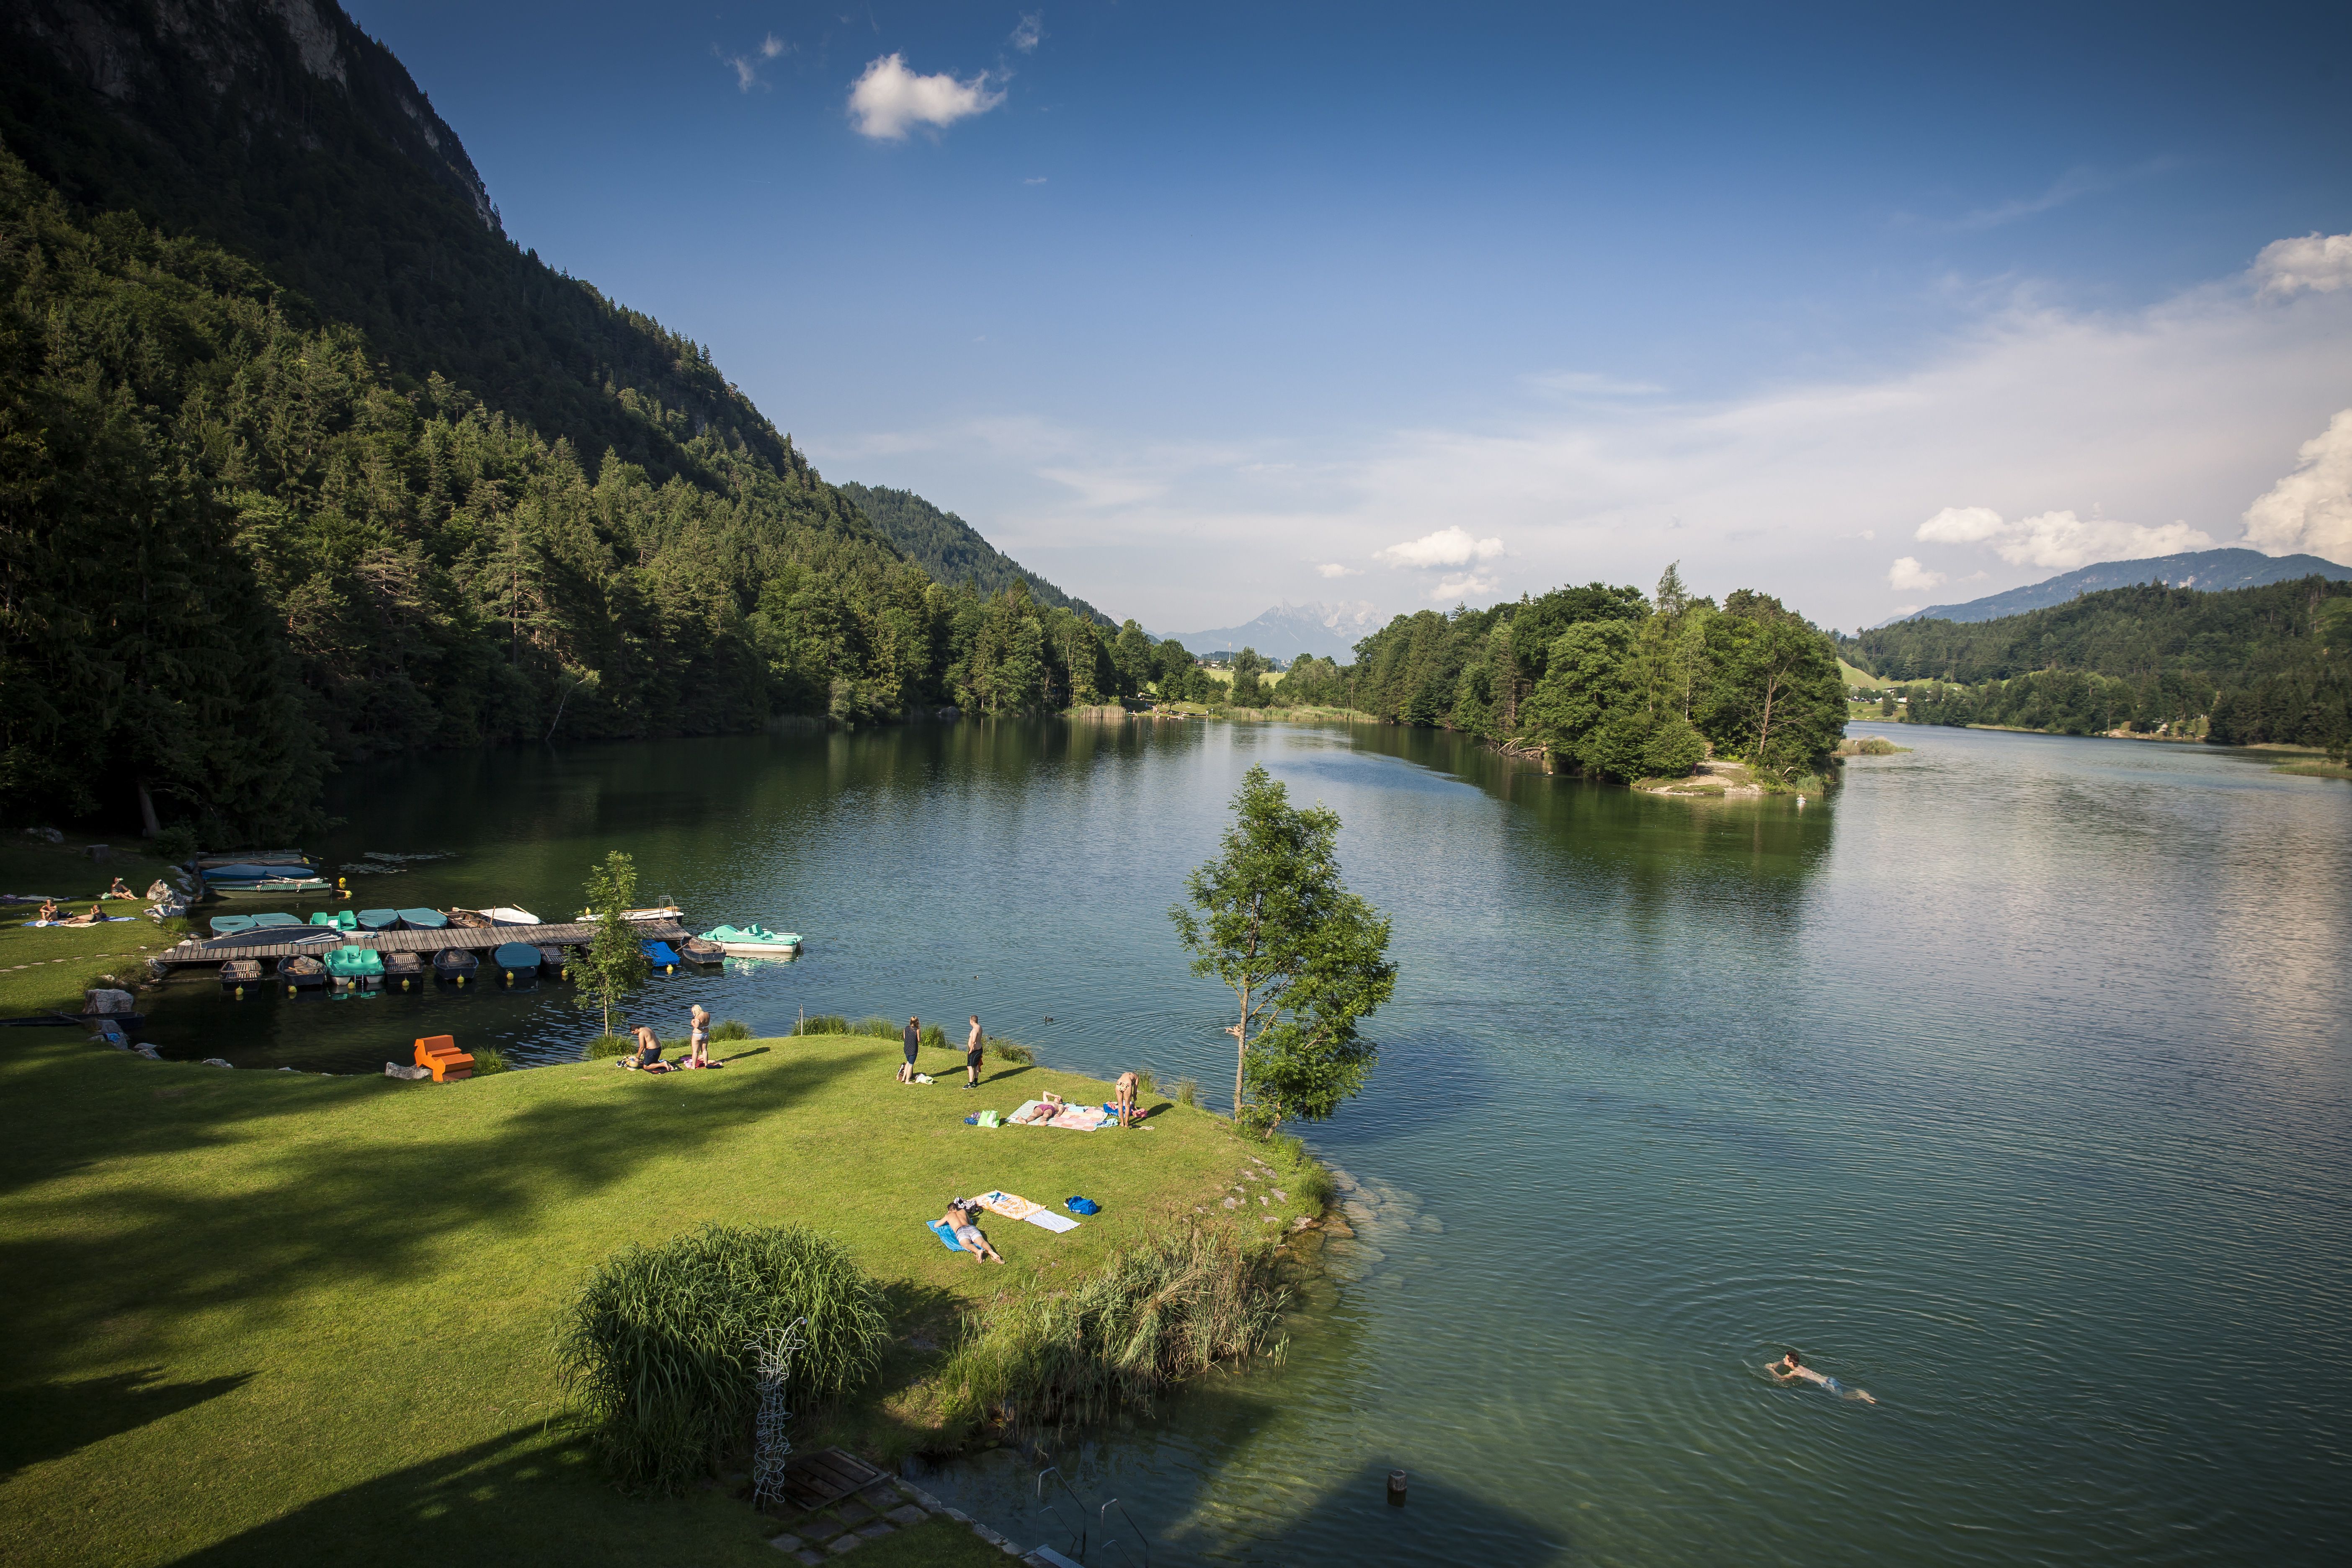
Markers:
2011,1085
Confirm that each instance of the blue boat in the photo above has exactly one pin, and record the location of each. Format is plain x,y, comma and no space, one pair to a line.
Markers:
378,920
274,922
424,919
516,961
228,925
664,957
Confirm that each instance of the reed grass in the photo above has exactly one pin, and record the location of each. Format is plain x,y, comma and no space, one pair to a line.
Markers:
1188,1091
605,1047
658,1347
822,1024
732,1029
488,1059
1177,1304
1012,1051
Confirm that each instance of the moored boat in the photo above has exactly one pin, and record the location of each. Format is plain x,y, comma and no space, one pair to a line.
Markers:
655,912
701,950
341,920
403,969
754,941
466,920
665,958
516,961
275,921
456,964
301,971
551,959
424,919
229,925
378,920
239,973
354,965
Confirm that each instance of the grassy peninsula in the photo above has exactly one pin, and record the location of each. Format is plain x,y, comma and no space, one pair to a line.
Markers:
271,1316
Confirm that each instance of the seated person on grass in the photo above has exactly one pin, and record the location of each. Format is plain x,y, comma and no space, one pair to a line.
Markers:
119,891
48,912
959,1219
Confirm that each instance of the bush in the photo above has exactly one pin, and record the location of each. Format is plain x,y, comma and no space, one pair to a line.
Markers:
732,1029
657,1346
176,843
1145,1083
607,1046
1673,749
1188,1091
1012,1051
488,1059
1175,1305
880,1029
823,1023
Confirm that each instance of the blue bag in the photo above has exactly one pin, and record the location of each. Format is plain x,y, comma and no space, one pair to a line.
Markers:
1083,1205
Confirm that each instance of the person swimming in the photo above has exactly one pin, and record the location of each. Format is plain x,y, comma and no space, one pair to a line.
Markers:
1793,1366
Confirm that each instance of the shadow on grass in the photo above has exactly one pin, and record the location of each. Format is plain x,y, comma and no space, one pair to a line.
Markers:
45,1421
252,1234
526,1496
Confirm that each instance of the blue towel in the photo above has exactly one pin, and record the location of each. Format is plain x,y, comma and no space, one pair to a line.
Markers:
947,1235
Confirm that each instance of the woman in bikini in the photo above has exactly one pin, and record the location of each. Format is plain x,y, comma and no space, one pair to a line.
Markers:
698,1039
1043,1111
1791,1366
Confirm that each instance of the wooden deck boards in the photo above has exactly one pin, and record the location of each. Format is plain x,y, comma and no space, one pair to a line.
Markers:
569,934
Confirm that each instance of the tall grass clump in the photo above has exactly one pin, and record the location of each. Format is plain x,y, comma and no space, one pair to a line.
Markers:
1012,1051
606,1046
488,1059
656,1345
880,1029
1176,1305
1310,1181
1188,1091
823,1023
732,1029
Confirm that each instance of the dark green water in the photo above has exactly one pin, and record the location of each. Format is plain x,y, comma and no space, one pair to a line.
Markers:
2011,1085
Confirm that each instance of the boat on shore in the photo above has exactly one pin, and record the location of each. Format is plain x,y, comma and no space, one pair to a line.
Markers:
754,941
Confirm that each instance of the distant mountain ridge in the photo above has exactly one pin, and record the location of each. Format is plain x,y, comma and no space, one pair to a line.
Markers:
1292,631
952,550
2211,570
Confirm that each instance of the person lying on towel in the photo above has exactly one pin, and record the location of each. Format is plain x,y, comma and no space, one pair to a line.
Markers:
959,1219
90,919
1045,1111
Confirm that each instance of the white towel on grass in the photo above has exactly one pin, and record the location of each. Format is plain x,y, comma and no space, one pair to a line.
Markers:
1056,1223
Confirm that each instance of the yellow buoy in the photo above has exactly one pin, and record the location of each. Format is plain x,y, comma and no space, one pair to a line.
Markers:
240,993
289,990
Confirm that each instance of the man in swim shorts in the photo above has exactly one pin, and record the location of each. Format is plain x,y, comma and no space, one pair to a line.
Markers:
1790,1365
959,1219
972,1048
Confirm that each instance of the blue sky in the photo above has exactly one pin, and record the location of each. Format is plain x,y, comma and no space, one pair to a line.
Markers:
1198,308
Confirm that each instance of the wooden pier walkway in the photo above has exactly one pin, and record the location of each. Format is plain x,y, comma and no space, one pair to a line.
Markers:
314,940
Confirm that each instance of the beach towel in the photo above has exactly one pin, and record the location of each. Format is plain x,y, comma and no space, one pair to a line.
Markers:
1047,1219
1078,1119
1011,1206
940,1228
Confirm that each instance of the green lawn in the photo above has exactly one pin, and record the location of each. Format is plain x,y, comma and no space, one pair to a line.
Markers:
275,1317
40,970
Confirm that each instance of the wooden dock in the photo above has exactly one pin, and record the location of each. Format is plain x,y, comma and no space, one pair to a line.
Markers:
309,940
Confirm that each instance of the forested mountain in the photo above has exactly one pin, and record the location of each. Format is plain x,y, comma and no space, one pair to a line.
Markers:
2245,664
952,551
302,460
2210,569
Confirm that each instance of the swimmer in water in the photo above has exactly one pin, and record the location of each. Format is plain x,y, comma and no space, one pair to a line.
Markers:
1792,1365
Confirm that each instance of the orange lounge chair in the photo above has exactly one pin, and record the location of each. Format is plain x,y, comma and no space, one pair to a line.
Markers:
440,1053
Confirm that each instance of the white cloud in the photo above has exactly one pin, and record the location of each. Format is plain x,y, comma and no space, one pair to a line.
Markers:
1449,546
1590,383
2058,540
771,47
1463,586
1961,525
746,68
1034,180
1032,30
1333,569
1908,576
2311,508
888,99
2320,263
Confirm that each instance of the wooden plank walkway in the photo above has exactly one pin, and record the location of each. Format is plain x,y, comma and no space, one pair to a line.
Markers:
576,934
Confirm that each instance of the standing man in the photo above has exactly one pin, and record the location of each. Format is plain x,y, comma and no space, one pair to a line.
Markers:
914,1037
971,1048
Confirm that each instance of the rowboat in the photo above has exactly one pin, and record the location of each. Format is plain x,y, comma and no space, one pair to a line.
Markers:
424,919
280,887
656,912
516,961
239,973
696,949
225,925
403,969
300,970
456,964
754,941
552,958
503,915
378,920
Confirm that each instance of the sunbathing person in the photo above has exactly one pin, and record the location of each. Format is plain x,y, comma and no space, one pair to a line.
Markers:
1790,1365
48,912
90,919
959,1219
119,890
1043,1111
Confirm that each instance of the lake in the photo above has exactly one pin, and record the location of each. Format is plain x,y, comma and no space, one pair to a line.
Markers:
2009,1084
